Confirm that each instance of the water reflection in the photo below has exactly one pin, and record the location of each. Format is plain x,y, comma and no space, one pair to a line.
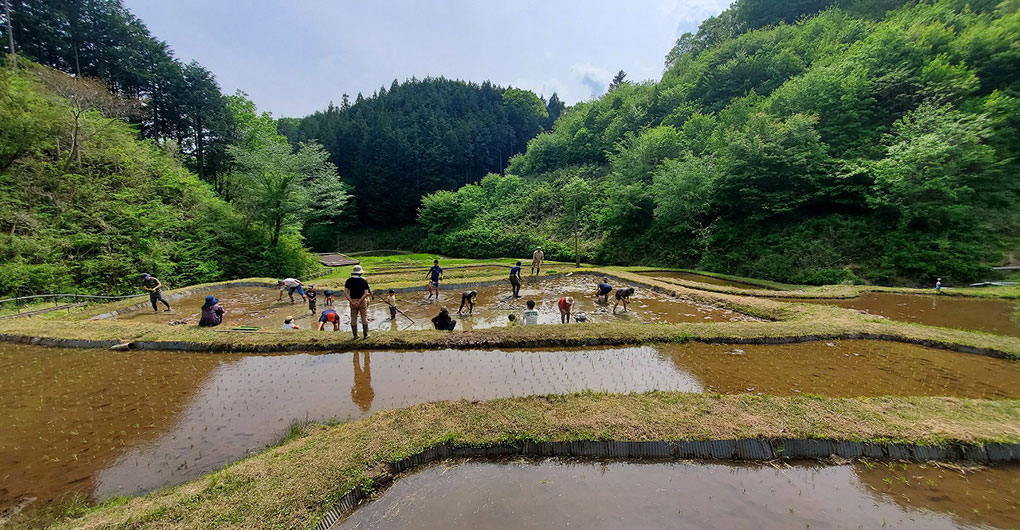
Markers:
361,392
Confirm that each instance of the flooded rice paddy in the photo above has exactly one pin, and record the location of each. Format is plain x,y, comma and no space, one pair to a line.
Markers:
976,314
260,307
693,495
103,423
703,278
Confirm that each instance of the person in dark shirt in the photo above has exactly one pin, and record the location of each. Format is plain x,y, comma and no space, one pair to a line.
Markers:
515,279
155,287
212,312
357,292
602,291
329,296
443,322
468,298
434,275
329,315
622,297
312,296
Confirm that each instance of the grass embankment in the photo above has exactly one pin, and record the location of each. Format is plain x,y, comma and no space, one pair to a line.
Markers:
292,485
788,321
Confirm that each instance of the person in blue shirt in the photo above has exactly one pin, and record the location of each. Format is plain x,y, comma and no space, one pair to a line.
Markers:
515,279
602,291
434,275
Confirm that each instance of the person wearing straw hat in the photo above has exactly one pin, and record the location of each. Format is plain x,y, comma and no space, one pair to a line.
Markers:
565,304
357,292
536,261
212,312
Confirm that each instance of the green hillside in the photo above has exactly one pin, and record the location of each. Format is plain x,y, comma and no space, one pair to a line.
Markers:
90,219
850,144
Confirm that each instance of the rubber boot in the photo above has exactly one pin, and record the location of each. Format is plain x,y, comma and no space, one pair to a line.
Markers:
354,328
364,328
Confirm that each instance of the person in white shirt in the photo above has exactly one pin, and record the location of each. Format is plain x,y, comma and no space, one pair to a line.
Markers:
536,261
531,314
290,285
288,323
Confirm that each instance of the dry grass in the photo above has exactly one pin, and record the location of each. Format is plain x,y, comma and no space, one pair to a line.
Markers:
291,485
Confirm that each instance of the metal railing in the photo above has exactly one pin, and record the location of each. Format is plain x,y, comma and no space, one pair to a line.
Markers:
25,302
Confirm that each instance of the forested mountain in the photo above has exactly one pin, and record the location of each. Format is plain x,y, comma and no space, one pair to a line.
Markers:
802,141
87,206
421,136
179,103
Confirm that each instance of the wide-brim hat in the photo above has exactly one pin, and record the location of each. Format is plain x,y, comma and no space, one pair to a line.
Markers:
357,270
570,300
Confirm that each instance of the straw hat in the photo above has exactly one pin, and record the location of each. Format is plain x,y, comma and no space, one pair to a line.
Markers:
357,270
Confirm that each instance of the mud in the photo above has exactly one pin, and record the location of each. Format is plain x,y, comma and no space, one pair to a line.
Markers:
976,314
689,495
261,307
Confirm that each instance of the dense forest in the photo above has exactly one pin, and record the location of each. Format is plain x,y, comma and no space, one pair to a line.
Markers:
421,136
102,132
807,141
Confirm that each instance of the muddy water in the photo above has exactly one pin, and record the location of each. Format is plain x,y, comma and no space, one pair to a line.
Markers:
845,369
702,278
684,495
260,307
988,315
125,422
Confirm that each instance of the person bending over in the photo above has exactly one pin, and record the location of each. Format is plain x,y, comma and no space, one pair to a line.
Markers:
468,298
357,292
565,304
290,285
515,279
602,291
443,322
328,315
155,287
622,297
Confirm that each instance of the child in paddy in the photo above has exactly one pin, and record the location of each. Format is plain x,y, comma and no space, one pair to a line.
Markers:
391,300
512,321
531,315
329,297
288,323
312,296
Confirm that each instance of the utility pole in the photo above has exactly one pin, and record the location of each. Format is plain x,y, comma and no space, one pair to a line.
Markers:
577,255
10,27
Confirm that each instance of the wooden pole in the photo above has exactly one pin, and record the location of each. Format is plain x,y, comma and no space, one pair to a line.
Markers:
10,27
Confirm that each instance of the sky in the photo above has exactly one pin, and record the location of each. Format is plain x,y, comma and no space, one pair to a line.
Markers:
294,57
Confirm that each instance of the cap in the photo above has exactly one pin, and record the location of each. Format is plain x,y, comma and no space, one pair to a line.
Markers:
570,300
331,316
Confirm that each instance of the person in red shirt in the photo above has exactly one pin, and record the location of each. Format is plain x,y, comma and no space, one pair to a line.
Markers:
565,304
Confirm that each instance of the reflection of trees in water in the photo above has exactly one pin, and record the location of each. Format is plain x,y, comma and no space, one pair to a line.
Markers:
978,496
362,393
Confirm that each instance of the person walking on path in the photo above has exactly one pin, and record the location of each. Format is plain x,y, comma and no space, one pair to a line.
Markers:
434,275
443,322
212,312
328,315
290,285
536,261
515,279
155,287
565,304
623,296
357,292
602,291
468,298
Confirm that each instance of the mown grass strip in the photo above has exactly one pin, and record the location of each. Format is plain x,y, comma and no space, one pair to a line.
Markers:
294,484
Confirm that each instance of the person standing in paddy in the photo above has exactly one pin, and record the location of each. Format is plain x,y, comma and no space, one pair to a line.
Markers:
536,261
434,275
357,292
515,279
155,287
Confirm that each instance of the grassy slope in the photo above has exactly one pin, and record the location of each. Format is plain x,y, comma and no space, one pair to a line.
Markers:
291,485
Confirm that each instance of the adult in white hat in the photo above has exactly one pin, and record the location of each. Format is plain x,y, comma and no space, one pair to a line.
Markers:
566,304
357,292
536,261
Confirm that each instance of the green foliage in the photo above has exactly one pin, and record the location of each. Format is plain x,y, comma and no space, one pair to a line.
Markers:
810,142
124,208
